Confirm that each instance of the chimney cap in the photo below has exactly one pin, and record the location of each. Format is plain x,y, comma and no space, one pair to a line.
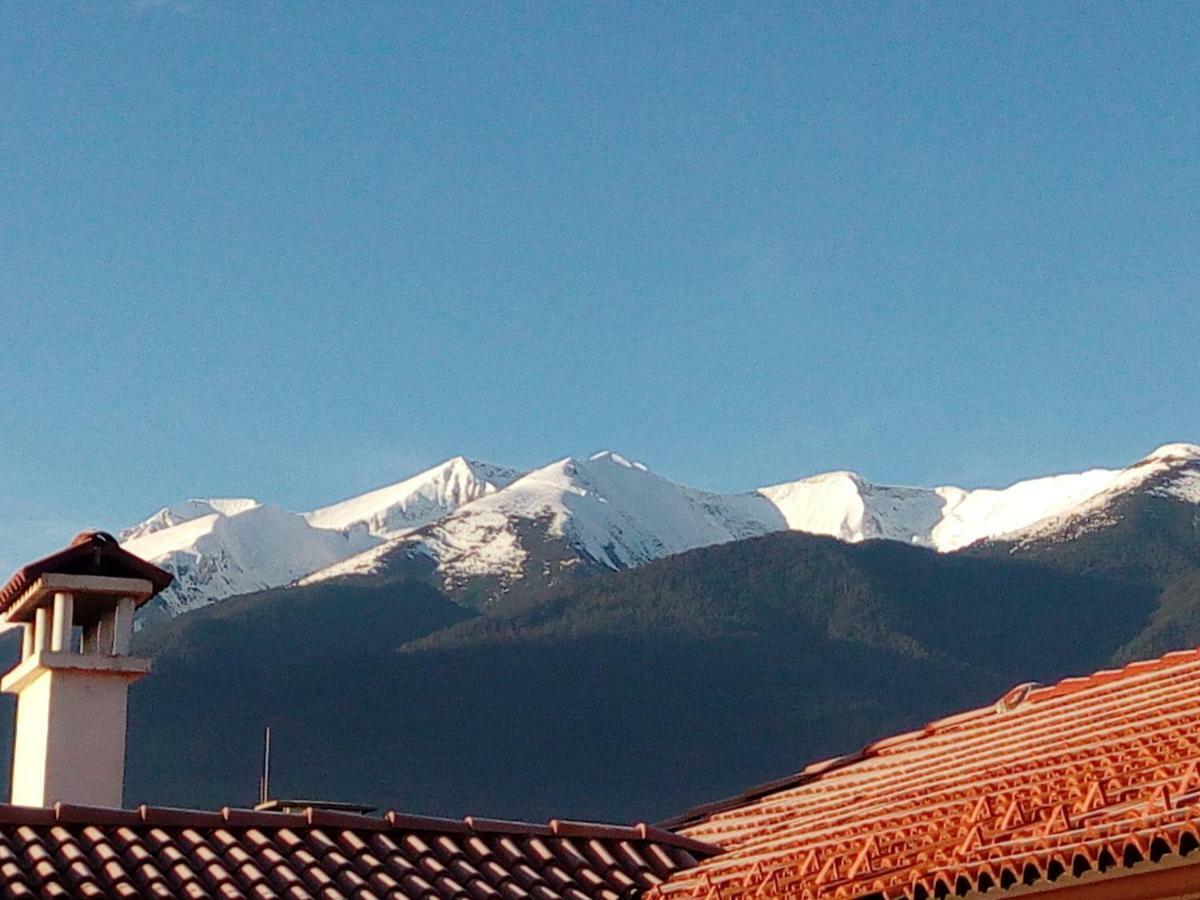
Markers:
92,537
89,553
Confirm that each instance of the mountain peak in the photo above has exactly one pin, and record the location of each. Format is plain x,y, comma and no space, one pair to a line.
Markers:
473,518
614,457
415,501
466,462
170,516
1174,452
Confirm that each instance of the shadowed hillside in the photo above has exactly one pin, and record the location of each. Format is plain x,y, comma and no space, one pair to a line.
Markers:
625,696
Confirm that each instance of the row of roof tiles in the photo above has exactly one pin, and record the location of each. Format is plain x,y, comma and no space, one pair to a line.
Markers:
161,852
1080,776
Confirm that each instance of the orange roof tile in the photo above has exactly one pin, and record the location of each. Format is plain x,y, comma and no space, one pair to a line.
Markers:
1092,774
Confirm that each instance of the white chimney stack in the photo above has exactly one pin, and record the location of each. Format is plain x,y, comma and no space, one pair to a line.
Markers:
76,609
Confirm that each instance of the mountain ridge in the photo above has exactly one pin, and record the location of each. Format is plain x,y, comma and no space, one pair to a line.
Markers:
717,667
477,523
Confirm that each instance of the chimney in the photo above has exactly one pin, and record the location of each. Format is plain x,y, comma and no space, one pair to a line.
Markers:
75,608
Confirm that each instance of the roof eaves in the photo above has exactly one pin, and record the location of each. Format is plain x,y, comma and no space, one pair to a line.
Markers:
809,774
1171,876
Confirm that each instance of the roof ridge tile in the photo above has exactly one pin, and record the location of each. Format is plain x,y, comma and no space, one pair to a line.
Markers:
482,825
574,828
169,817
683,842
333,818
398,821
237,817
11,814
72,813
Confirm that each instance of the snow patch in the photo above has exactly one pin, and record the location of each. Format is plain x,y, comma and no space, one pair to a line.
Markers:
972,516
416,501
1185,487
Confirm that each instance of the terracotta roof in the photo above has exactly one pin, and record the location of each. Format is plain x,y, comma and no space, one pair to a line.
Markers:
1050,784
153,852
89,553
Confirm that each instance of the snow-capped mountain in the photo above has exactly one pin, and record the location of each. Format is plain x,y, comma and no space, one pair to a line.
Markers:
615,513
474,520
605,509
219,548
221,554
1171,472
844,506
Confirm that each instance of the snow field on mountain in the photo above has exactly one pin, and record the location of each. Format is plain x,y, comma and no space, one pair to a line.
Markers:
842,505
171,516
416,501
475,519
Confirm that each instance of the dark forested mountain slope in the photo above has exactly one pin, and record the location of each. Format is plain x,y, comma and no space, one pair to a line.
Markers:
626,695
1149,538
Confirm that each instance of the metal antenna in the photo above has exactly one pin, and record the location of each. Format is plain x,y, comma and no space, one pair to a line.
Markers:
264,783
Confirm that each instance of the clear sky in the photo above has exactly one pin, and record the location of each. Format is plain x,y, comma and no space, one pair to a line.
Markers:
297,250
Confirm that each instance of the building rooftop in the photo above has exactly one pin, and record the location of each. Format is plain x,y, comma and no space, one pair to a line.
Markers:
156,852
1049,786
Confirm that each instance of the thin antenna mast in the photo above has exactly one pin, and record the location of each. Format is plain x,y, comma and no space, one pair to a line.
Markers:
264,783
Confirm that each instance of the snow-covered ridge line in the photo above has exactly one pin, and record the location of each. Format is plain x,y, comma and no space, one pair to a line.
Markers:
416,501
619,514
472,518
219,548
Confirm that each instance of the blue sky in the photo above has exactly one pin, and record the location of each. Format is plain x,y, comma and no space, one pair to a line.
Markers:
298,250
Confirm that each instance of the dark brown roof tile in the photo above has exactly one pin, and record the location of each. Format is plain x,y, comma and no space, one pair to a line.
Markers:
178,818
253,818
500,826
328,818
567,828
25,815
162,852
